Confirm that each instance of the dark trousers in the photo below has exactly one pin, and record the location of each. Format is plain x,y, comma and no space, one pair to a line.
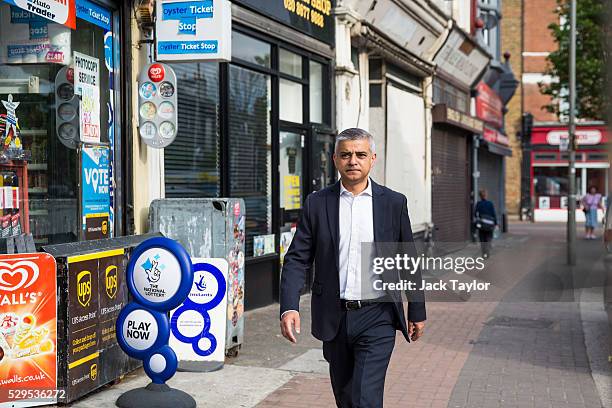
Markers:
359,356
485,241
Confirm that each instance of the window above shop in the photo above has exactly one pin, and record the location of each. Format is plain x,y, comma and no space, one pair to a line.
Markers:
290,63
251,50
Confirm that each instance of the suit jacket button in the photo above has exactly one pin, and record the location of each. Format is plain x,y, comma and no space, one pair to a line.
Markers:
337,293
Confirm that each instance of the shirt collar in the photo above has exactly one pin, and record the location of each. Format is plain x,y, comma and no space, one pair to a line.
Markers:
367,191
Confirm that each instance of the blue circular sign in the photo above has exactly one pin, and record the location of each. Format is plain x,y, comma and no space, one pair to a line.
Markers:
141,331
160,274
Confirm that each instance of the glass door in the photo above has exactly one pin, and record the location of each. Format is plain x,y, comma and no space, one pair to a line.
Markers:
322,170
291,176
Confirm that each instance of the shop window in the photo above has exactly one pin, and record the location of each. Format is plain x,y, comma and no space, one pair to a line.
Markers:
316,92
290,63
35,55
290,169
375,95
597,157
550,181
375,69
251,50
250,148
192,160
355,57
545,156
290,103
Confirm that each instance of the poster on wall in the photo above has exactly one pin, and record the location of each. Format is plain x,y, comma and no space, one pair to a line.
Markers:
87,85
28,38
194,30
544,203
95,193
291,193
28,329
58,11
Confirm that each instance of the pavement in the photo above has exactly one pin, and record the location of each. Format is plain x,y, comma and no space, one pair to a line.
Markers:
539,338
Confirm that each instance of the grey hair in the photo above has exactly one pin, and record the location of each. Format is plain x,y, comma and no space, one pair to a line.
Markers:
355,134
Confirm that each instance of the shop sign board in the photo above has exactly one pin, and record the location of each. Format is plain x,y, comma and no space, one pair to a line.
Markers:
94,14
444,114
157,105
489,106
61,12
198,324
87,85
28,330
95,193
312,17
96,294
583,137
193,30
461,58
28,38
494,136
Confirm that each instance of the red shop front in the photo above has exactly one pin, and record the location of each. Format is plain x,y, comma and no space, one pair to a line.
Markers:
549,168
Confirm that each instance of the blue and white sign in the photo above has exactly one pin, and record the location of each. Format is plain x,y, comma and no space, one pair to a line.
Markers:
95,200
198,325
193,30
159,277
94,14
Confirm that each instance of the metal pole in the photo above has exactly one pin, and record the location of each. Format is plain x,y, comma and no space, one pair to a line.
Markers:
571,207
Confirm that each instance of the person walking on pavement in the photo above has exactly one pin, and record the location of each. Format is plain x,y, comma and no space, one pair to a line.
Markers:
591,202
356,326
486,222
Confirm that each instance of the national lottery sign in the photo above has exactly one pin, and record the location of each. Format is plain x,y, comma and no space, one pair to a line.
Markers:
159,278
59,11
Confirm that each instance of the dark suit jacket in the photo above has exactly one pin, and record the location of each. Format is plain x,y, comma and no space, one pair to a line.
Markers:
317,239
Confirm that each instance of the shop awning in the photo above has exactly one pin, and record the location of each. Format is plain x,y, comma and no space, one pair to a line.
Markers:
499,149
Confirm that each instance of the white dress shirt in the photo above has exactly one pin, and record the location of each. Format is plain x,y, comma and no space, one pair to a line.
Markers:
356,222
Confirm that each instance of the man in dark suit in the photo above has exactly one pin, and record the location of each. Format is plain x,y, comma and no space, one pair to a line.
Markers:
356,323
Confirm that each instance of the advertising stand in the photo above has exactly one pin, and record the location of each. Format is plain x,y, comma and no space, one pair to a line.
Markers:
210,228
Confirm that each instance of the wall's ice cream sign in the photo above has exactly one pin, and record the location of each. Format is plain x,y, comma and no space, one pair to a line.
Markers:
28,324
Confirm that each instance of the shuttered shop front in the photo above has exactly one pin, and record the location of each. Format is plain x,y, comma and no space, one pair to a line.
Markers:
490,167
450,185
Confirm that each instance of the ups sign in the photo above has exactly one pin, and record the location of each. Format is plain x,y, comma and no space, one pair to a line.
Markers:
84,288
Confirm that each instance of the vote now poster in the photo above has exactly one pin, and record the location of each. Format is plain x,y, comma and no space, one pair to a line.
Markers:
95,192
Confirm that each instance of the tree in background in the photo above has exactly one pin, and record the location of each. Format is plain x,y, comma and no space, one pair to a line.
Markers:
592,100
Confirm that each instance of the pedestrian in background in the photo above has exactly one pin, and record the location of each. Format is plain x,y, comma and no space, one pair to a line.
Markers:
591,202
486,221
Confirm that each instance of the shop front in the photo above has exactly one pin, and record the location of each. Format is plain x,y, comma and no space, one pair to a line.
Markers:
259,128
60,122
549,168
451,158
461,62
492,150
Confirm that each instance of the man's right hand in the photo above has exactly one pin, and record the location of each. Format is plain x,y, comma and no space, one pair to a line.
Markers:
289,321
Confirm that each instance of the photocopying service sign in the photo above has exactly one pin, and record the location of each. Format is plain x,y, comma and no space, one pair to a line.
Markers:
95,200
87,85
193,30
59,11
